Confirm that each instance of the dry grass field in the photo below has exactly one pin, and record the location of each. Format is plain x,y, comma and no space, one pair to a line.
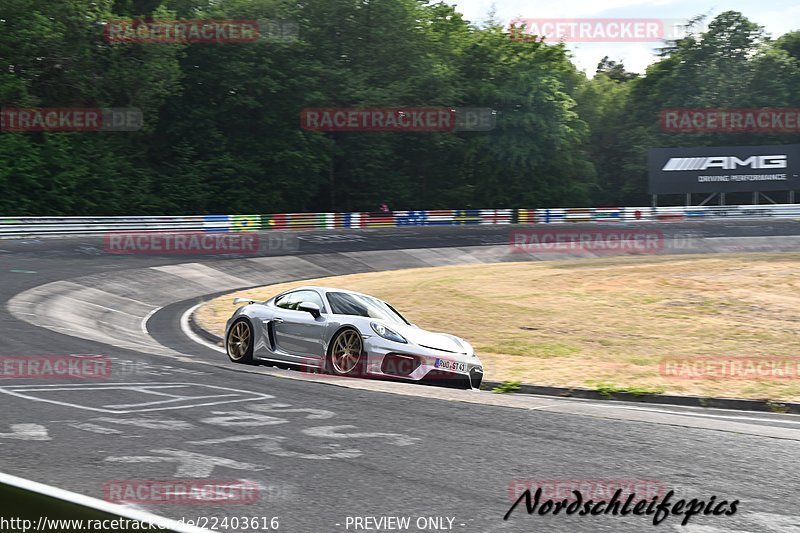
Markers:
599,323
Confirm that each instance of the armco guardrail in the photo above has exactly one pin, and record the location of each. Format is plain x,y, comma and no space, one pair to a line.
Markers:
655,214
24,226
42,226
37,226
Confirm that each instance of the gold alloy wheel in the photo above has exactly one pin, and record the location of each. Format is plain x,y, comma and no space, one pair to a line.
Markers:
238,341
346,351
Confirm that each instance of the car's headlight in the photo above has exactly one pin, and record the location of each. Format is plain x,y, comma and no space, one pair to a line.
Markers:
387,333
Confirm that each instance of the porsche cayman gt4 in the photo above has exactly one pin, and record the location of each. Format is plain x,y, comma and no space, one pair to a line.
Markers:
346,333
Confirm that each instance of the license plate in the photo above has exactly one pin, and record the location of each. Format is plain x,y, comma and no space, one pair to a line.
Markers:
450,365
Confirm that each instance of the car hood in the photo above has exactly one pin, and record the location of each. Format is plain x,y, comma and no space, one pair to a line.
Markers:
429,339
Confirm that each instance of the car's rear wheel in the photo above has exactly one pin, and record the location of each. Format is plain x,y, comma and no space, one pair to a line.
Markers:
240,342
346,354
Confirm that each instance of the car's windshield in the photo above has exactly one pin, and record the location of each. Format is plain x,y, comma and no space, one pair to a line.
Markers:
343,303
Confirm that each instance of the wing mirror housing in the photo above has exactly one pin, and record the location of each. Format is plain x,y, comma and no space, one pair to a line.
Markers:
310,307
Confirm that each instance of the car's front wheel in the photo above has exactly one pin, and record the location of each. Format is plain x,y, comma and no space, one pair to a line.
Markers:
240,342
346,353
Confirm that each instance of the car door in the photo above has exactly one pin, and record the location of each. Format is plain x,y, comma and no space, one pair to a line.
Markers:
298,334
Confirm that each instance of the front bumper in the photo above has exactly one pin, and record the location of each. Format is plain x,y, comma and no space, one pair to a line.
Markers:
416,363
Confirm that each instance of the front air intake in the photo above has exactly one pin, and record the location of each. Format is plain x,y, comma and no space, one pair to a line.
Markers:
395,364
475,377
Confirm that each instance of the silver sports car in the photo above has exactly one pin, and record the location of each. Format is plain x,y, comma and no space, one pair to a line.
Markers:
345,333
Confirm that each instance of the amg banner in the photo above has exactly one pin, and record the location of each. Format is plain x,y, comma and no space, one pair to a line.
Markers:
724,169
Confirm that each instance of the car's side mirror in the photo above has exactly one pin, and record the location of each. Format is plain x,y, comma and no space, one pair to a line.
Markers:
309,307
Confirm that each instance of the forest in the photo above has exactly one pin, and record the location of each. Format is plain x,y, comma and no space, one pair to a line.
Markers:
221,129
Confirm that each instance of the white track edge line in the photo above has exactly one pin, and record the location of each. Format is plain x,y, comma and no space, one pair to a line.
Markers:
194,336
100,505
146,318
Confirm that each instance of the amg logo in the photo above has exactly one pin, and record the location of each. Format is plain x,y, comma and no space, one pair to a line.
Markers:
725,162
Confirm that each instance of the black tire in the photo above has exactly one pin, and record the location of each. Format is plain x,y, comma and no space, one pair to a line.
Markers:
346,341
239,342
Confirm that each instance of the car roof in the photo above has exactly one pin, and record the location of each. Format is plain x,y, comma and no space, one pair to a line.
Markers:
325,290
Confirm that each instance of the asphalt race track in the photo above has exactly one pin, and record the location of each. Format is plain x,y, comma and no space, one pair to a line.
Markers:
321,449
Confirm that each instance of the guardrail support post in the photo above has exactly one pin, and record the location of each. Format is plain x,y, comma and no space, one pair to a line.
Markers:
708,198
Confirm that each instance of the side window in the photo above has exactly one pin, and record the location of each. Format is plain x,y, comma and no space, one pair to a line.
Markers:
287,301
309,296
293,299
